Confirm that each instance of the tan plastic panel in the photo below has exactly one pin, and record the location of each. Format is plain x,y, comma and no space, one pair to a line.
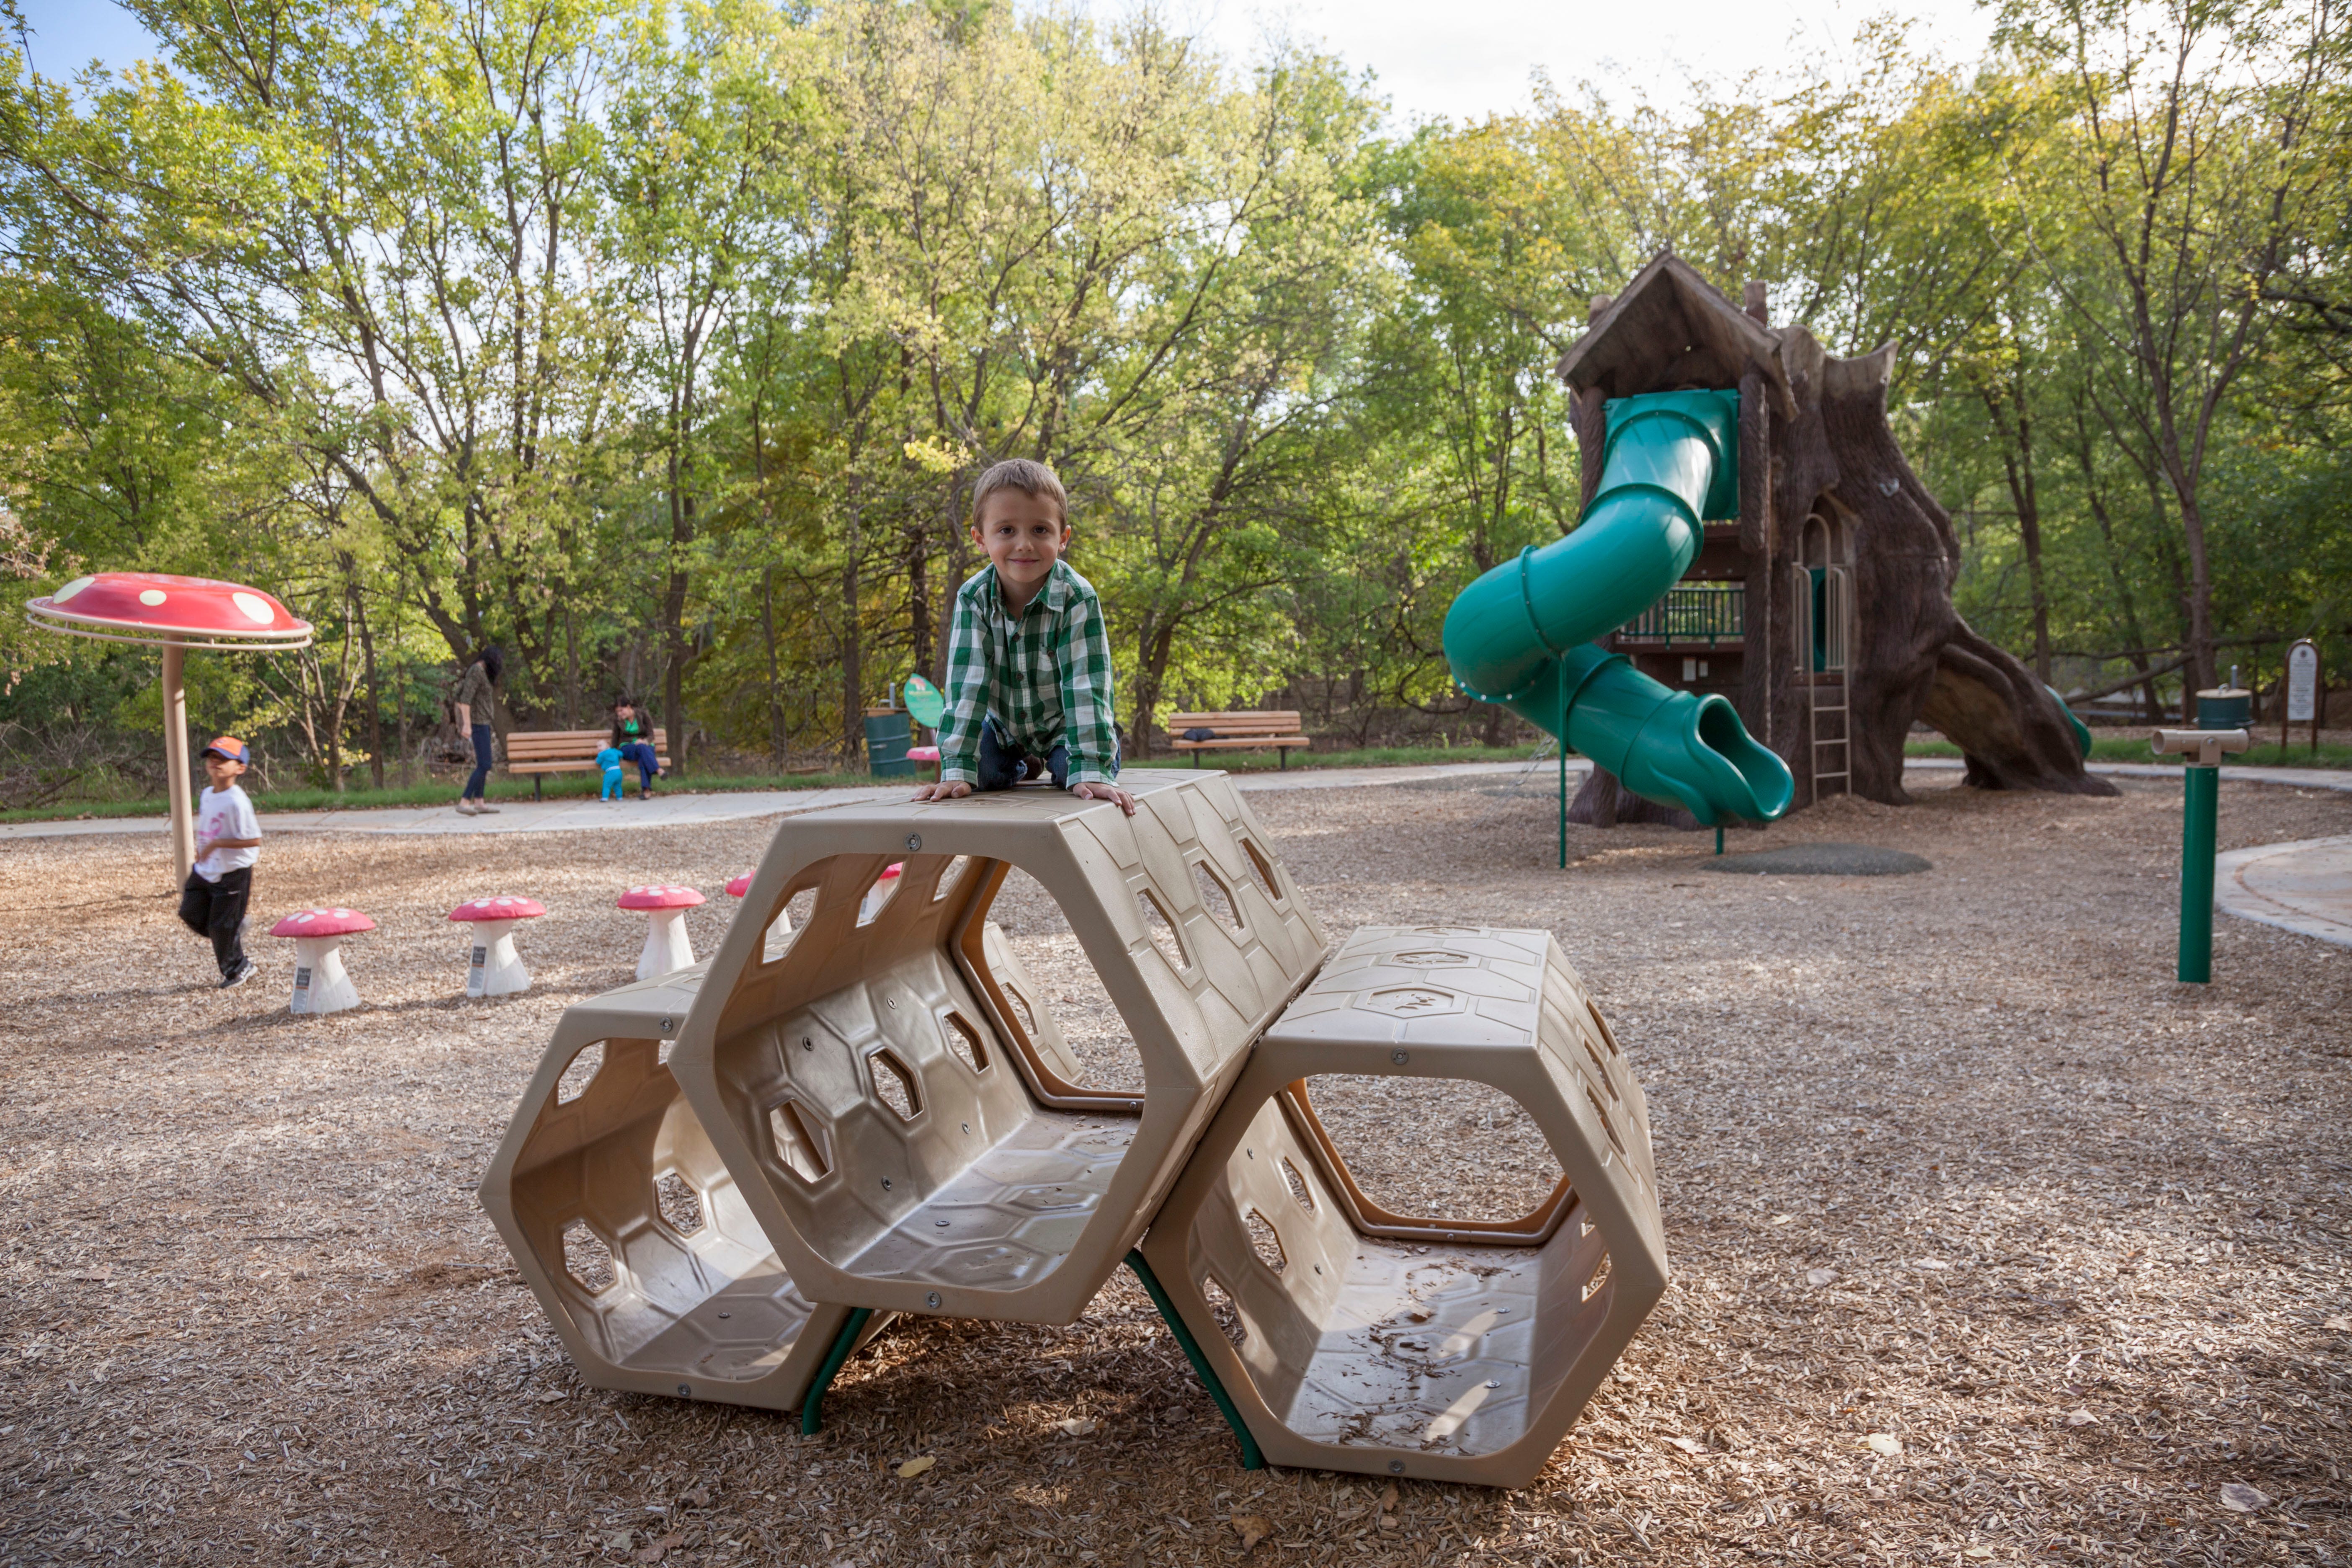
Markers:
700,1310
890,1171
1409,1354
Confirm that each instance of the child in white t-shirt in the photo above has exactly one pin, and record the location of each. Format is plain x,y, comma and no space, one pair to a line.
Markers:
228,841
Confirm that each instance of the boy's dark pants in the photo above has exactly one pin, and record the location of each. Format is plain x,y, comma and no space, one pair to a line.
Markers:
1001,766
217,910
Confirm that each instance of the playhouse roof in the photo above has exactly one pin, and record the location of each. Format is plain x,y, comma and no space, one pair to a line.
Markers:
1672,328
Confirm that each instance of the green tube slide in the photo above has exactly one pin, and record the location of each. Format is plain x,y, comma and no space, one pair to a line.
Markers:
1521,636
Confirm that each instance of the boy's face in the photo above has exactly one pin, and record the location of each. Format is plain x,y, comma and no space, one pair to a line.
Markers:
222,771
1023,535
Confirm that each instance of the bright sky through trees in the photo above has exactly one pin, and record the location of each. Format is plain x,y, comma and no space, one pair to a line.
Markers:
1463,60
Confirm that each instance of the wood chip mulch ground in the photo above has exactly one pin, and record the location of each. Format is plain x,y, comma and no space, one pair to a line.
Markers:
1992,1243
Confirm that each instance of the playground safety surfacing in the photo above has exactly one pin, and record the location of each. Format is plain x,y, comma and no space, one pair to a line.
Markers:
1949,1166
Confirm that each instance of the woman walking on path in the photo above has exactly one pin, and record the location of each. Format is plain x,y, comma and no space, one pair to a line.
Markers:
633,739
477,705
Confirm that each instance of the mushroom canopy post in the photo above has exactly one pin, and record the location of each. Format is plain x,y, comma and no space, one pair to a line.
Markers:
667,946
174,614
496,969
320,985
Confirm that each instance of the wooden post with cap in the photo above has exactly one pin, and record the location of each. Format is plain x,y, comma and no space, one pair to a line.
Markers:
176,778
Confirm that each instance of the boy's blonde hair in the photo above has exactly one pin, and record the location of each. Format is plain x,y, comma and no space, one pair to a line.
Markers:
1024,475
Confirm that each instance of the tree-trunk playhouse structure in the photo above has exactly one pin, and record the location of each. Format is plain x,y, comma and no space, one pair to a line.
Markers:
1752,542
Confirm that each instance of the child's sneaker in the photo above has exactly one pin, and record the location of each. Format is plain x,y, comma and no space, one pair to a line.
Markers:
246,969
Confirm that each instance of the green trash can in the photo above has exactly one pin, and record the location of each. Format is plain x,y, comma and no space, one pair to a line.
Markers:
2224,707
888,734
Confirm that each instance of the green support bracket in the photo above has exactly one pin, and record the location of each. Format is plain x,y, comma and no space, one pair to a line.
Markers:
1251,1459
2200,789
813,1407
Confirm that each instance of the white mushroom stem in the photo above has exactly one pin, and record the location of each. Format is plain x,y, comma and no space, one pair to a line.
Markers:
319,983
175,763
666,947
495,969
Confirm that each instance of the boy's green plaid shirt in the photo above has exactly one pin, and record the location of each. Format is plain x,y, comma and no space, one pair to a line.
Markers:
1045,676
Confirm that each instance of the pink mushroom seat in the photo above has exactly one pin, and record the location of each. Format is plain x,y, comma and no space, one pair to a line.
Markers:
920,754
320,985
496,969
780,930
667,944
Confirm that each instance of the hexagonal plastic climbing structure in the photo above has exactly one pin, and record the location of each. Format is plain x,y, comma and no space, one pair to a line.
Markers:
893,1093
1352,1338
629,1229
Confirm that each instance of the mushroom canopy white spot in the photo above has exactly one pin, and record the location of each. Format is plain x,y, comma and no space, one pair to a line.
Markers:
70,589
256,609
150,597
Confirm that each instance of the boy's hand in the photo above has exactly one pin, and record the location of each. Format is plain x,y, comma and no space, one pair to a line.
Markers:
1105,791
951,790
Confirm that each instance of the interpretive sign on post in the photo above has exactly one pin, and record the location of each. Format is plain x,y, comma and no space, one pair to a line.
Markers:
2302,704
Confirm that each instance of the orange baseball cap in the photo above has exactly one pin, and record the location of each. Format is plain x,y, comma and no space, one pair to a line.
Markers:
229,748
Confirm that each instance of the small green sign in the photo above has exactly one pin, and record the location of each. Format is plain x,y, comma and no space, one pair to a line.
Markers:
923,701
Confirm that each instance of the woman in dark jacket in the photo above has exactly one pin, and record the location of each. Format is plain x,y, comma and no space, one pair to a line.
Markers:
477,705
633,737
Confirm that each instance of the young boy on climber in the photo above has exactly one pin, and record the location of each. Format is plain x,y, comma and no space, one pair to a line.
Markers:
1029,683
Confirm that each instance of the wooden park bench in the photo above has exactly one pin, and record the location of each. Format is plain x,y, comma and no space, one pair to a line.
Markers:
542,752
1236,732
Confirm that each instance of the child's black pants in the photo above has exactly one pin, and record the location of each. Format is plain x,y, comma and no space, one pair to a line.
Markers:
217,910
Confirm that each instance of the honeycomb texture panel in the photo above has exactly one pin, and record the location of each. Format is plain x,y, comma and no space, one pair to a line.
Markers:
946,1209
1411,1345
701,1309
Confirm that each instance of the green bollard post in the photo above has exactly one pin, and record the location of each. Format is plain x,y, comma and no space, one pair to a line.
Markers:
2201,793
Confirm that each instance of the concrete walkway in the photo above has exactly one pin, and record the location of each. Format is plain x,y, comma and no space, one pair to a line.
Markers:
689,810
2305,887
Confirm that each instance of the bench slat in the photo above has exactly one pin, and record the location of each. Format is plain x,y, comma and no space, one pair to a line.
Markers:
1288,721
1254,743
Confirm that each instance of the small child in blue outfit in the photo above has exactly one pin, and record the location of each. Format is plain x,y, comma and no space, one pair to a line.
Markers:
609,759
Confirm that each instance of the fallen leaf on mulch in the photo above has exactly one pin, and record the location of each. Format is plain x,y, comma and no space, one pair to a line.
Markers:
1820,1276
1252,1528
1685,1445
1980,1553
1388,1496
914,1467
699,1498
2081,1418
1884,1444
1076,1426
2239,1498
2340,1324
552,1396
655,1550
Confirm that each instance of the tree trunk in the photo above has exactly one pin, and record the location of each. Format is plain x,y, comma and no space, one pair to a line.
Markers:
375,692
768,635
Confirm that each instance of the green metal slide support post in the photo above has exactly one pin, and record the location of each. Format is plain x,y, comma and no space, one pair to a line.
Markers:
1251,1459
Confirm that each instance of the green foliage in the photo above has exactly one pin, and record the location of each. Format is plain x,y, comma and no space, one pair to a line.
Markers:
659,343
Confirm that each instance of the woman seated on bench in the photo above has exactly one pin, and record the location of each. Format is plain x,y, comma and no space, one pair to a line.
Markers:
633,739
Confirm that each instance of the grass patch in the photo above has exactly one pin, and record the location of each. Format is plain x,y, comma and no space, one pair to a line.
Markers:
1368,757
567,786
2134,748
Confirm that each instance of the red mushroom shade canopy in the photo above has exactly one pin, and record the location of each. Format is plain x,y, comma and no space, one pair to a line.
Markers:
176,614
501,908
322,922
660,896
156,607
740,885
